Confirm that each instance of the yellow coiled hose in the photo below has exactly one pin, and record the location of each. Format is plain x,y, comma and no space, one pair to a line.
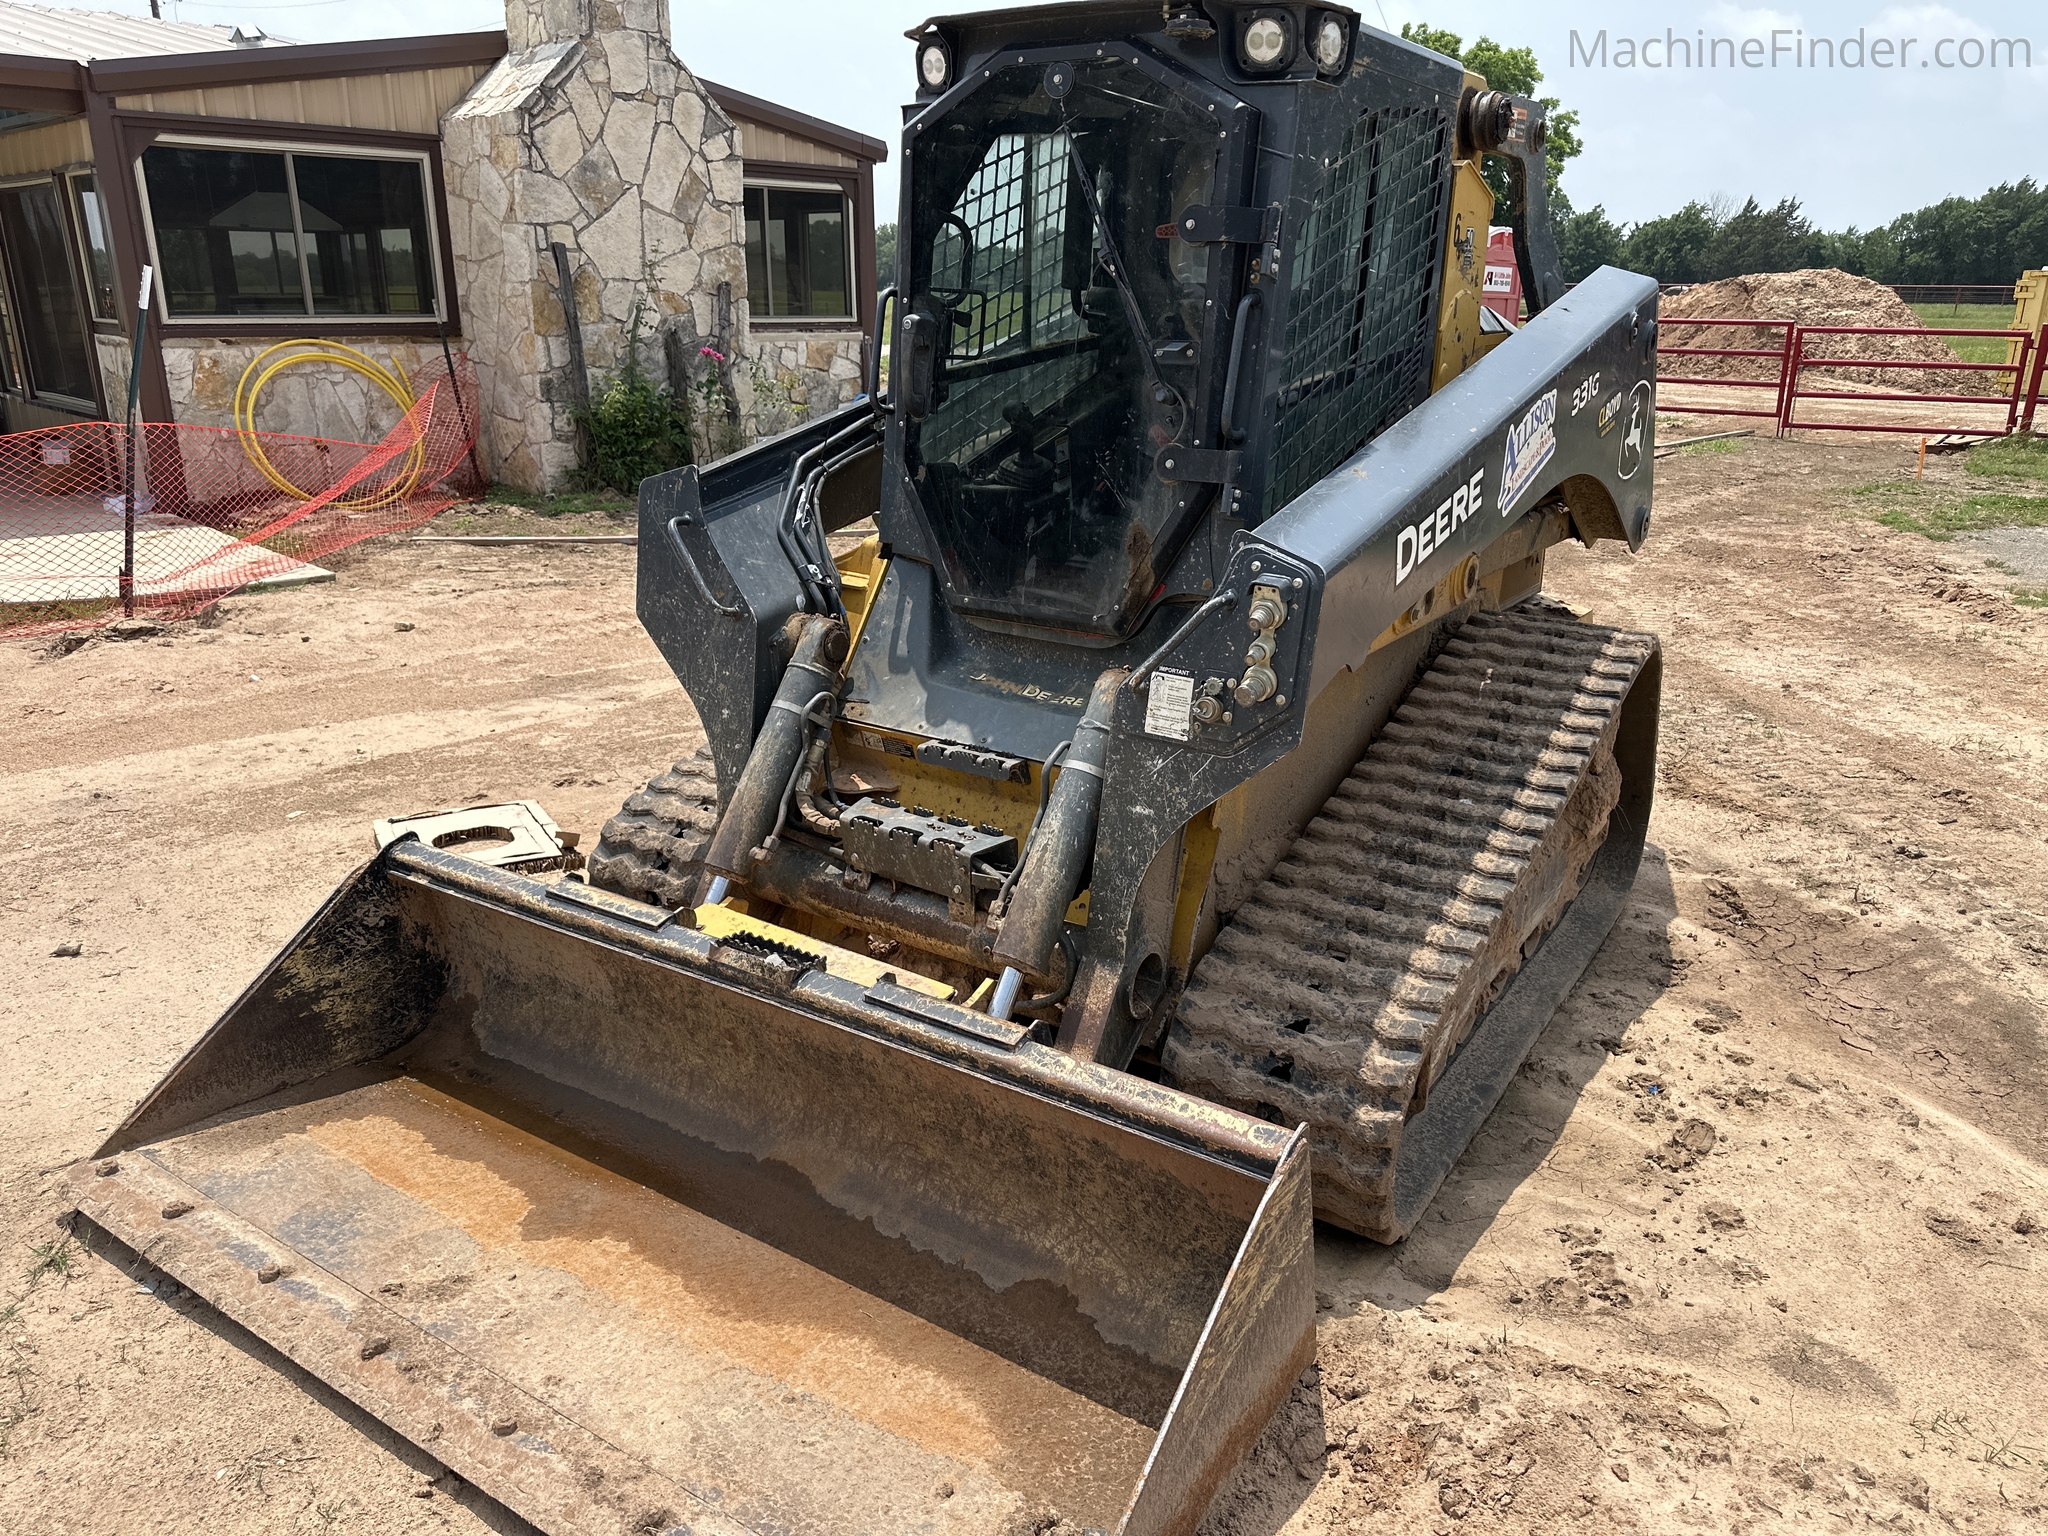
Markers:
262,369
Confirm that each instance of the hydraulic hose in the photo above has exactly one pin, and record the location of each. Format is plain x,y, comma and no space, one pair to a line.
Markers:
262,370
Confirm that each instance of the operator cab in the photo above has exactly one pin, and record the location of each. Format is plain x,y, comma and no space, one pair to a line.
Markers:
1067,326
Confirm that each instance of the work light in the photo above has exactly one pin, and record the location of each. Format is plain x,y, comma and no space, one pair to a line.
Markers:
1266,44
1329,40
934,63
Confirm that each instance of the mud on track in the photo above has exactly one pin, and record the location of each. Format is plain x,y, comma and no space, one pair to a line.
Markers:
1757,1236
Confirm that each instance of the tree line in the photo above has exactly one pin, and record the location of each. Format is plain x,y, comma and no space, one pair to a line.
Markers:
1988,239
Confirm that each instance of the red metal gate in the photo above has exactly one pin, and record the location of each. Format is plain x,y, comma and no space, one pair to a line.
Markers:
2015,397
2020,394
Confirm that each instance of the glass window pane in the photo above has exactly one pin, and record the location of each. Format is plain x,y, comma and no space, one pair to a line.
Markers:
1035,253
222,217
99,250
803,268
757,251
42,294
367,247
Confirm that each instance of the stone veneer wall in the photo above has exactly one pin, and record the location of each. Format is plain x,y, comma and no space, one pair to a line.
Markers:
202,373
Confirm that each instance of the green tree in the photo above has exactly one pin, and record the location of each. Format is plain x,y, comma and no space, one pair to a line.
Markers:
1675,248
1586,242
1988,239
885,254
1759,239
1515,71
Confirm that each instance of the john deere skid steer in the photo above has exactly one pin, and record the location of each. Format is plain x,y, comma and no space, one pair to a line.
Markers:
1148,802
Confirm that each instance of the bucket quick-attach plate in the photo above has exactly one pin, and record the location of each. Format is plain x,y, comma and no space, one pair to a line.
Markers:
518,835
634,1246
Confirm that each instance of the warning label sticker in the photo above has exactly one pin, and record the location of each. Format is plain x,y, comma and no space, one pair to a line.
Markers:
1170,706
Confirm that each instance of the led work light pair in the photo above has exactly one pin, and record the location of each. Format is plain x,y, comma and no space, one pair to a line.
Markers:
1267,43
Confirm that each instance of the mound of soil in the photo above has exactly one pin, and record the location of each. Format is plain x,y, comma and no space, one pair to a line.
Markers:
1820,296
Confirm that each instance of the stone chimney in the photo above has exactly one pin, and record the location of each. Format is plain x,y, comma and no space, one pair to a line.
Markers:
590,134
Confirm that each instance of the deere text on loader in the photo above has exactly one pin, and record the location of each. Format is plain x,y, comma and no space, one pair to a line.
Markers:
1147,800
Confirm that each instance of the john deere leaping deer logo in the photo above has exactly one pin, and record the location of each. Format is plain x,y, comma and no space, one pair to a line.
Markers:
1635,438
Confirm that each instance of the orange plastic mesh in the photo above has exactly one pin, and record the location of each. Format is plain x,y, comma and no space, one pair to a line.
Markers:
208,519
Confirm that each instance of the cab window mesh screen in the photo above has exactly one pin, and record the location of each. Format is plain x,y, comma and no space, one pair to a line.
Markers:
1362,322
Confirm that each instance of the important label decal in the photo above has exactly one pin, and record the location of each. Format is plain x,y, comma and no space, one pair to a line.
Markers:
1610,412
1499,280
1170,705
1531,442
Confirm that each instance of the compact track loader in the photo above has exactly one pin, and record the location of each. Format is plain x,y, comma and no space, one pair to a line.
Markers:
1176,818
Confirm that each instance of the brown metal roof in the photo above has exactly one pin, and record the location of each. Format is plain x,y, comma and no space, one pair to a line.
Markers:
53,32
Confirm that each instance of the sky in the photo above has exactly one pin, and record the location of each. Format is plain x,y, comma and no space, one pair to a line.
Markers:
1856,143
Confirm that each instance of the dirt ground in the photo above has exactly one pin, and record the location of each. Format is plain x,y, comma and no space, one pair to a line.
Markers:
1754,1244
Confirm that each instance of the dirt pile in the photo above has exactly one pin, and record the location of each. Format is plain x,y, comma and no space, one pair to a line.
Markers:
1821,296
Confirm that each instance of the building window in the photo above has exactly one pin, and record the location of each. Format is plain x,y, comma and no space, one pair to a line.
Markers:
799,261
42,293
262,232
97,246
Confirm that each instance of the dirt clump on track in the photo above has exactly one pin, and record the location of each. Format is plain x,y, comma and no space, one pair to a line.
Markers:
1817,296
1758,1240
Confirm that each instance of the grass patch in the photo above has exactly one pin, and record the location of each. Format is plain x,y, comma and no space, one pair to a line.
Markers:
84,610
1970,317
1718,445
1914,506
567,503
1964,317
2030,597
52,1258
2010,458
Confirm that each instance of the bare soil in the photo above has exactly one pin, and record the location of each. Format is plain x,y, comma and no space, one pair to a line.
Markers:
1757,1238
1816,296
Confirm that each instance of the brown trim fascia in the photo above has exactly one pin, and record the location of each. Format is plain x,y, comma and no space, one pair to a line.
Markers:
38,98
157,124
801,170
865,277
798,124
32,83
199,329
299,61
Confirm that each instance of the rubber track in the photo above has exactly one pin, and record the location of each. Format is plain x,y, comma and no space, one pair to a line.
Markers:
1340,990
653,850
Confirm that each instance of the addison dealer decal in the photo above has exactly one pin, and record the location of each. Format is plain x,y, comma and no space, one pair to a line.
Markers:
1531,443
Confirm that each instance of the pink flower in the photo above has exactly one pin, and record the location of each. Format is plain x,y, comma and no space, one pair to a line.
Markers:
711,352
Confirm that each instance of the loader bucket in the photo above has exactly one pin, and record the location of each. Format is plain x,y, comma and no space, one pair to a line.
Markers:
643,1229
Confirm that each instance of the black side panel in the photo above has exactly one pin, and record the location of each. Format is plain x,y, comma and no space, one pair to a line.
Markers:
715,588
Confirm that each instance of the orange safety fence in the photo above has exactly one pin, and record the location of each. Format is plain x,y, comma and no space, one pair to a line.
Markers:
215,510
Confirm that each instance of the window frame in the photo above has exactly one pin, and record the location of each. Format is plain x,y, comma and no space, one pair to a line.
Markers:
826,179
24,384
74,210
407,147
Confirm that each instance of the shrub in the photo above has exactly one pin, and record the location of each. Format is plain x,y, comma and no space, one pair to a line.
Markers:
637,428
